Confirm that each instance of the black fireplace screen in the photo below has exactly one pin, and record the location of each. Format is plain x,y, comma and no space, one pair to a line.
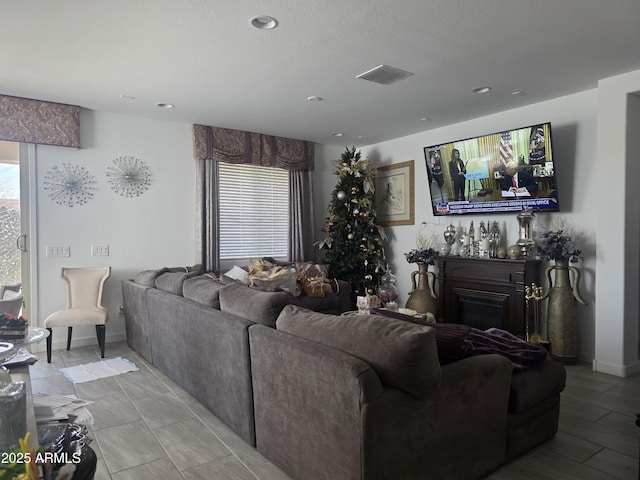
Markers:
482,311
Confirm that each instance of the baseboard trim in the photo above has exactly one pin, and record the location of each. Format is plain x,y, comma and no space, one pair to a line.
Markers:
60,341
617,370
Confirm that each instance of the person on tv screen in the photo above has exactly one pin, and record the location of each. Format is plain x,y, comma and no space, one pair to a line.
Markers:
516,179
435,165
457,170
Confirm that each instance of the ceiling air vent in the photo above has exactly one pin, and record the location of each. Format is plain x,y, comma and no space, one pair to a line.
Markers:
384,74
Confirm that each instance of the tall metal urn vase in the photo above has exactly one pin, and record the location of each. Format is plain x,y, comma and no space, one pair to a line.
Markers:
423,298
563,330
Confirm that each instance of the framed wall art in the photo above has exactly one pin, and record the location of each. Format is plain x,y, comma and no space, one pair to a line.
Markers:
395,195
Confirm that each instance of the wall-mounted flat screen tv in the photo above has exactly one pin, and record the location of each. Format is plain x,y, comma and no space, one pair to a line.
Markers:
502,172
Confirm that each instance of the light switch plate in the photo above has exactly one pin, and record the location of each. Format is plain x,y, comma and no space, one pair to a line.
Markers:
99,250
58,251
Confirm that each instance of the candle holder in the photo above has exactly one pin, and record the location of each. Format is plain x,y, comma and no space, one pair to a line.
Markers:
526,244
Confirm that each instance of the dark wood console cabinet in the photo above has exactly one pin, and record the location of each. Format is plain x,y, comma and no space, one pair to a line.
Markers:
485,293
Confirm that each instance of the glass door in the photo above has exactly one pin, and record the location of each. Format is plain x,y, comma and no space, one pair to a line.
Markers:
13,232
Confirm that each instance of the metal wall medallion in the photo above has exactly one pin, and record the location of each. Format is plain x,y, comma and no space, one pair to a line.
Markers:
69,185
129,176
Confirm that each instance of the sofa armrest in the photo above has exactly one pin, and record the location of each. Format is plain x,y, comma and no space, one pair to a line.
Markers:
342,288
458,432
307,400
136,318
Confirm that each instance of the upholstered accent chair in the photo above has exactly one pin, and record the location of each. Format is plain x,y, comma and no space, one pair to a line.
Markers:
84,304
11,303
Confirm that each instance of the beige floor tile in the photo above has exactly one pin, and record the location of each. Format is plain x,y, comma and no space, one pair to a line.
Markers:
162,409
189,444
161,469
228,468
112,410
129,445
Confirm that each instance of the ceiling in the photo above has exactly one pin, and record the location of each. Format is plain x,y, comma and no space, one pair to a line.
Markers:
203,56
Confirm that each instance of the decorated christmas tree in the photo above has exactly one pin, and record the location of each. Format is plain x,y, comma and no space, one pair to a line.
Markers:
353,242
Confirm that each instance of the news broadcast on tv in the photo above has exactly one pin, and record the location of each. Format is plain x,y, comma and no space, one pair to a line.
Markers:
500,172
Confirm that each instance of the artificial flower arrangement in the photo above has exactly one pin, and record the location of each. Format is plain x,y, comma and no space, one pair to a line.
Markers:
424,251
424,255
558,244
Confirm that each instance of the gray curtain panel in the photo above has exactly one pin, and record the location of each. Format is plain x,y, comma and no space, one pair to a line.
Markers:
300,216
207,209
212,145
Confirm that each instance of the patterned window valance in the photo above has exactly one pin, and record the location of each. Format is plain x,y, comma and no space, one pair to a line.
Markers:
236,146
35,121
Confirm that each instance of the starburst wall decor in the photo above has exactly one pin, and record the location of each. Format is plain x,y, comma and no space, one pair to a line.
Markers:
129,176
69,185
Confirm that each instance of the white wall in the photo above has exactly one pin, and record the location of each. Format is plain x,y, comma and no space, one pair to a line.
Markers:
574,123
618,264
153,230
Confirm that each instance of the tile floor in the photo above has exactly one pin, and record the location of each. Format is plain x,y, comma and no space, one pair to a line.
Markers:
146,427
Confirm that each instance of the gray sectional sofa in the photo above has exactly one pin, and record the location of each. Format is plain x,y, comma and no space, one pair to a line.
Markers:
326,396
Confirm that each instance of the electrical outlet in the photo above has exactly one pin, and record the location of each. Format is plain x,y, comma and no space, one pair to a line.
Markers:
99,250
58,252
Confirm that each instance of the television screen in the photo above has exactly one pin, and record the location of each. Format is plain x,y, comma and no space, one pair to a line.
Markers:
501,172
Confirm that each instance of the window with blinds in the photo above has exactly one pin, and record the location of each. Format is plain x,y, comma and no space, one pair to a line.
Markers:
254,211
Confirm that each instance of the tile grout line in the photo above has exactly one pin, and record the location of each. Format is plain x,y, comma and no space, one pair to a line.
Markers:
188,408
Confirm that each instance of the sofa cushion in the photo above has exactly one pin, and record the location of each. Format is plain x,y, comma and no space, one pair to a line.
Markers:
450,337
404,355
148,277
172,281
329,303
203,289
534,385
252,304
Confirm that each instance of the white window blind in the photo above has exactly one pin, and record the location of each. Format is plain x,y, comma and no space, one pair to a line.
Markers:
254,211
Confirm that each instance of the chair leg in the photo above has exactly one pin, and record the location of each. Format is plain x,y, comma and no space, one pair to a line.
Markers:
69,330
100,330
49,342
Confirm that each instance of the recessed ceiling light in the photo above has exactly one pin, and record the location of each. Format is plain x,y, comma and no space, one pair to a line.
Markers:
165,105
427,119
127,97
313,98
481,90
263,22
338,134
518,93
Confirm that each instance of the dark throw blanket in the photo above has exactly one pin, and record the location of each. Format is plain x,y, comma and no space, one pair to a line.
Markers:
523,354
456,341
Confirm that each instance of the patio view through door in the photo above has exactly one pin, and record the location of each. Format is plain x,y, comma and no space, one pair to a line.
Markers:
14,255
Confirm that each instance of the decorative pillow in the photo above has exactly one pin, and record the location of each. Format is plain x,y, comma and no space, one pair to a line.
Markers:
237,273
404,355
310,269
